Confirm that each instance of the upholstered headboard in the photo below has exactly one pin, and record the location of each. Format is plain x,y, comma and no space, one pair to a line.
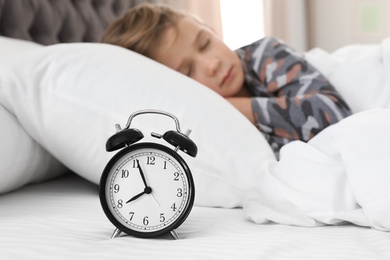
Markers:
56,21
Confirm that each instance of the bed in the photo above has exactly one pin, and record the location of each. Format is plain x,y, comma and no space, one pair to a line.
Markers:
62,96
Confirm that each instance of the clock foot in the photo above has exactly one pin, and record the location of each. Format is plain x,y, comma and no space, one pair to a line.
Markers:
116,233
174,235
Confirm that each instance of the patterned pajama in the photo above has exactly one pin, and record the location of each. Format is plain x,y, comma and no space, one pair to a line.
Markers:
291,100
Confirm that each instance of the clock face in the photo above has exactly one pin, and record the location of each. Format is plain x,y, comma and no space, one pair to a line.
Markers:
146,190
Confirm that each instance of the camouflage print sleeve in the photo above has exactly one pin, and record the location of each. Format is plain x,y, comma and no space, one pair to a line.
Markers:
291,99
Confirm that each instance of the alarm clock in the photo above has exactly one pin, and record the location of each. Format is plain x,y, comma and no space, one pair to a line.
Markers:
146,189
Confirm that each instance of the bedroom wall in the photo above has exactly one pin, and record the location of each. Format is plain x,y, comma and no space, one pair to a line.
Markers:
208,11
334,23
286,19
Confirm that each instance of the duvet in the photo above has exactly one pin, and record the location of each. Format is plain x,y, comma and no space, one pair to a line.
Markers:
342,174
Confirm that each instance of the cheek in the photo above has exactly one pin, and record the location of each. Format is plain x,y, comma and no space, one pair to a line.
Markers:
207,82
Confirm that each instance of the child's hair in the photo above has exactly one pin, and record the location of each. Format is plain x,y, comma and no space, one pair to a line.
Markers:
141,28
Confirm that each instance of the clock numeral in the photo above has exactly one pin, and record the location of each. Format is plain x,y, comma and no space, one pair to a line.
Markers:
120,204
125,173
162,217
150,160
179,192
135,165
116,188
176,175
131,215
173,207
145,220
165,165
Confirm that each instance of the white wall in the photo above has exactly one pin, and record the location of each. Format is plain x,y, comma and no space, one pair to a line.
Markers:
242,23
335,23
296,23
286,19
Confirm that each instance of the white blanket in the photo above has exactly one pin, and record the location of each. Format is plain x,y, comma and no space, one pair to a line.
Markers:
361,73
342,174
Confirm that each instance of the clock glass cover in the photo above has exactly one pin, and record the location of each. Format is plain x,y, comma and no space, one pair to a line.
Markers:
147,190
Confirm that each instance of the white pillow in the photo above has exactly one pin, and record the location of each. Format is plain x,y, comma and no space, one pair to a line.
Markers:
359,72
22,160
10,46
69,96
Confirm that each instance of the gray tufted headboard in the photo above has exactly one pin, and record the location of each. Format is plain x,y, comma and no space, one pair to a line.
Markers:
57,21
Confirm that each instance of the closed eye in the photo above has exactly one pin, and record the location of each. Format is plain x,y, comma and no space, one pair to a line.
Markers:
205,45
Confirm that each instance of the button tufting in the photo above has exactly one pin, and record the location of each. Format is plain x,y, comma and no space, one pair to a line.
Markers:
54,21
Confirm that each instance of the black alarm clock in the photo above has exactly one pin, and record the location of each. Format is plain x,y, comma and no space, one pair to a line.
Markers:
146,189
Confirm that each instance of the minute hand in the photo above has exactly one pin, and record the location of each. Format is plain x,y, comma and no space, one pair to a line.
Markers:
142,174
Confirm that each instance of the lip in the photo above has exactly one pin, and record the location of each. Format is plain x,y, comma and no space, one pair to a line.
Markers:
228,77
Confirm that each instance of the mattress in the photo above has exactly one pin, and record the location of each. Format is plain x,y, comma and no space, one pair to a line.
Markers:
63,219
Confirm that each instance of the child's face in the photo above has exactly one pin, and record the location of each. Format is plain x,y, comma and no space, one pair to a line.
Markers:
196,51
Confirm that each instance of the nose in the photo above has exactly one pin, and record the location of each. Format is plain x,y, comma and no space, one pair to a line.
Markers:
212,66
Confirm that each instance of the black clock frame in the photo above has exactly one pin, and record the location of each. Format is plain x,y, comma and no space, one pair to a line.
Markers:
104,202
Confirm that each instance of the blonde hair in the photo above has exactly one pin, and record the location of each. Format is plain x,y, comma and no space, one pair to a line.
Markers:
142,27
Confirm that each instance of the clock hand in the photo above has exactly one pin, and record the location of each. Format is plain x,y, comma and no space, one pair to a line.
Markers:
158,204
142,174
136,197
147,190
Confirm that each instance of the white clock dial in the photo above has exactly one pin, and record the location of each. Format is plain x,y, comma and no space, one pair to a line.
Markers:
147,189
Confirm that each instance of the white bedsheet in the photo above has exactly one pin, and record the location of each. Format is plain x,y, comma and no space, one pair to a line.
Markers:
62,219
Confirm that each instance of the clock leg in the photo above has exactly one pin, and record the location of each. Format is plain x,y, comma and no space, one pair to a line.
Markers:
116,233
174,235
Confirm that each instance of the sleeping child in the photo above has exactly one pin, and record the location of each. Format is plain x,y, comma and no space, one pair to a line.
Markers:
273,86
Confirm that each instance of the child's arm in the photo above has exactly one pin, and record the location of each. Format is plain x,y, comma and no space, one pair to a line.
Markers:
294,101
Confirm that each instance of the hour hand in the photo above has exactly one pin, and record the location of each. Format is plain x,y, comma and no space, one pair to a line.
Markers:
136,197
147,190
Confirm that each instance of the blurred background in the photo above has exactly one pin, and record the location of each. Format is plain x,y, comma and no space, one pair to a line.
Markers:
303,24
